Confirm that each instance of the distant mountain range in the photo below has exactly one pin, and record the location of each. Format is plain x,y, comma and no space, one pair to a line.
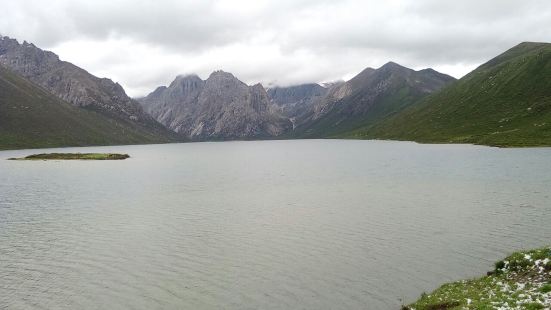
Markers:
222,107
48,102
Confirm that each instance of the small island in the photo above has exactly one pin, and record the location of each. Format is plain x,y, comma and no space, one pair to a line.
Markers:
520,281
74,156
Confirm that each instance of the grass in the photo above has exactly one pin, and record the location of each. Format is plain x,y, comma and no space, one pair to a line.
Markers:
521,281
31,117
505,102
366,105
74,156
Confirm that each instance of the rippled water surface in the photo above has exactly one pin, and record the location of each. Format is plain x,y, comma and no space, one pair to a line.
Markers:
309,224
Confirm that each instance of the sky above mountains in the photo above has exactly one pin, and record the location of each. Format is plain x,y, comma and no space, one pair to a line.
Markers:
145,43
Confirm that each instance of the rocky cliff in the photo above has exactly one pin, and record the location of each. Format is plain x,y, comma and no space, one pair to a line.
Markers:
295,100
221,107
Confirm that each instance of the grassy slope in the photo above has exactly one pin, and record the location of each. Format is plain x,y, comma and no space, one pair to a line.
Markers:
30,117
505,102
521,281
339,122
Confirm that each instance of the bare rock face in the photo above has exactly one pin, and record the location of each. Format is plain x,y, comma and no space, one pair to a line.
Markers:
176,105
71,83
295,100
222,107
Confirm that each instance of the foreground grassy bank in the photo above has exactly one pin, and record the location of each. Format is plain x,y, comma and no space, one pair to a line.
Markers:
75,156
520,281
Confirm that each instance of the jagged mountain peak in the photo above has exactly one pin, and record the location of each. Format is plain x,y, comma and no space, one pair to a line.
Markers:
367,70
258,86
392,64
221,74
184,77
393,67
429,70
186,80
221,107
331,84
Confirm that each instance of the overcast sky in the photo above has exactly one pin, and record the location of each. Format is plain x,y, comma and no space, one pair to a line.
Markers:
143,44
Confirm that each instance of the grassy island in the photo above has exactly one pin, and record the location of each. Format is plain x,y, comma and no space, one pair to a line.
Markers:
521,281
75,156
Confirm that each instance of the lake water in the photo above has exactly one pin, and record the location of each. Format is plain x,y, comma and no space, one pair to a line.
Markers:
305,224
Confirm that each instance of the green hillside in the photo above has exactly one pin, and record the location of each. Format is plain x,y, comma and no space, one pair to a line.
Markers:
30,117
520,281
505,102
369,97
343,119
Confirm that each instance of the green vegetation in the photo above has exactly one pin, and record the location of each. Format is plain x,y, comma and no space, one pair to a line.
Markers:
75,156
339,121
521,281
30,117
505,102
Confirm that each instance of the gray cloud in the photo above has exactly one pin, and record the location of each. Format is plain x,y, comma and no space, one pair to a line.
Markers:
143,44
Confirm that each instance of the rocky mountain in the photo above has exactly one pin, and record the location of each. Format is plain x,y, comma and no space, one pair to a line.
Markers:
504,102
222,107
75,85
31,117
296,100
370,96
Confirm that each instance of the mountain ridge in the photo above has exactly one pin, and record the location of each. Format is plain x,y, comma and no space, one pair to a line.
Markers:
369,96
504,102
305,105
76,85
32,117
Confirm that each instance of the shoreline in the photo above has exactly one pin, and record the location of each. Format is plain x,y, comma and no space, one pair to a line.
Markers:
528,146
520,281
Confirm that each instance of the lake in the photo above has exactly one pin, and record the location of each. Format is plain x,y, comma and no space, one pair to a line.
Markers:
303,224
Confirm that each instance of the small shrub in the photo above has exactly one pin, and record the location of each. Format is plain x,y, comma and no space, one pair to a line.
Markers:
499,266
546,288
533,306
519,264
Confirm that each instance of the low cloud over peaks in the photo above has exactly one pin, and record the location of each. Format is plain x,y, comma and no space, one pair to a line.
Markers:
143,44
